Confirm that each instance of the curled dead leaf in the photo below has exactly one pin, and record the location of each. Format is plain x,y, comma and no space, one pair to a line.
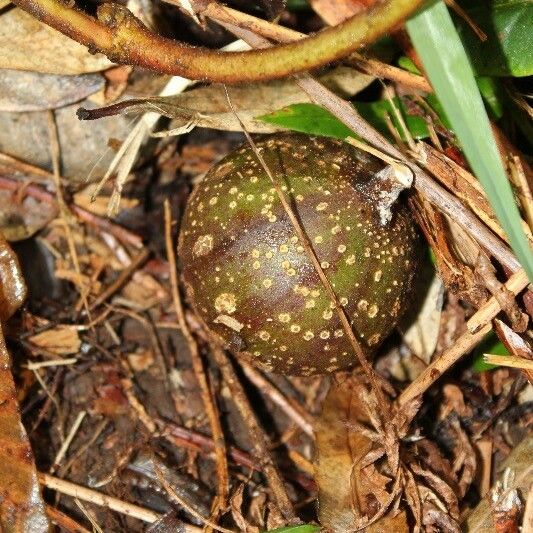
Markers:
351,489
61,340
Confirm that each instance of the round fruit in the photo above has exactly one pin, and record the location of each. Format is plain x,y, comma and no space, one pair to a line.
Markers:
250,279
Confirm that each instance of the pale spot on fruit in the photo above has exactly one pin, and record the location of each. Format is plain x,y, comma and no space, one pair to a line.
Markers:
377,275
373,310
322,206
256,253
284,317
295,328
350,260
343,301
203,245
338,333
324,265
267,283
335,230
324,334
362,305
226,303
283,249
319,239
256,265
341,248
310,304
327,314
308,335
264,335
213,200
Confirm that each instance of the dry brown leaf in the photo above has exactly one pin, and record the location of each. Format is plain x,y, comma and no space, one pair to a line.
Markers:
31,91
141,360
349,494
61,340
208,106
236,502
21,504
99,205
27,44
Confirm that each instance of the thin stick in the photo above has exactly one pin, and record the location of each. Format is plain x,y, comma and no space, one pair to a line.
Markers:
53,362
66,443
64,521
180,501
291,408
122,278
477,327
55,153
435,194
512,361
207,398
257,435
98,498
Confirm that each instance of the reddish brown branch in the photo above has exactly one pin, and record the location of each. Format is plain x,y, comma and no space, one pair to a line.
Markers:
124,39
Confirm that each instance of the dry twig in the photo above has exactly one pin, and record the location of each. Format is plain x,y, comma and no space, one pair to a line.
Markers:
207,398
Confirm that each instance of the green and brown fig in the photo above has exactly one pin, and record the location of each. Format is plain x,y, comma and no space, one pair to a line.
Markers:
253,284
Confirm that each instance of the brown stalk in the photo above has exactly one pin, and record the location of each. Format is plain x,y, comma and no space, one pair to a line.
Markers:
198,367
124,39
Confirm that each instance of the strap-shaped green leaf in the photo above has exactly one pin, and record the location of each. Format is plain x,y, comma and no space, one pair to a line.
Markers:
446,63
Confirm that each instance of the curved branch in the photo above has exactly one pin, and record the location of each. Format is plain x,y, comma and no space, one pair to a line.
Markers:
124,39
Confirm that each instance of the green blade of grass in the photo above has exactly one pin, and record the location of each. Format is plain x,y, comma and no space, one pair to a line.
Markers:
446,63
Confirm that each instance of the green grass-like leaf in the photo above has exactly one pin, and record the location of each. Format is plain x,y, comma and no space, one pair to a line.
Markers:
491,344
315,120
446,63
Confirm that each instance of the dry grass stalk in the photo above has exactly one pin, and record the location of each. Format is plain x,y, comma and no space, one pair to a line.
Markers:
98,498
477,327
199,371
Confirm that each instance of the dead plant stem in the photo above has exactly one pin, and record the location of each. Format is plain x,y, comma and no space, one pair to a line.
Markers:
199,371
477,327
